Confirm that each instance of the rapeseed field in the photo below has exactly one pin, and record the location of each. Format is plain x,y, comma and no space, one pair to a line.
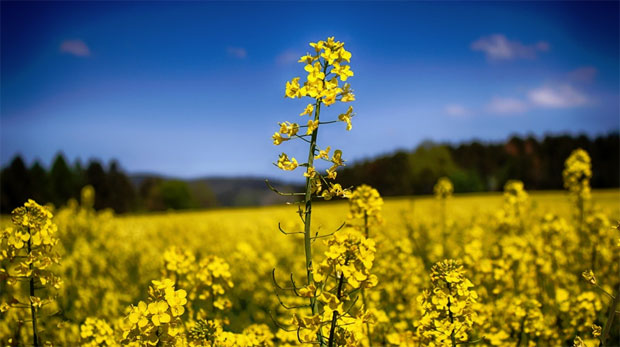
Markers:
511,269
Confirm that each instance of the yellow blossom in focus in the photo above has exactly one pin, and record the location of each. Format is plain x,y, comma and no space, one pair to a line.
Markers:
323,154
285,164
589,276
312,126
596,330
346,117
293,89
308,110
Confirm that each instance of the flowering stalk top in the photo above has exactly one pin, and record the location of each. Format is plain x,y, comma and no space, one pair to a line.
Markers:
326,67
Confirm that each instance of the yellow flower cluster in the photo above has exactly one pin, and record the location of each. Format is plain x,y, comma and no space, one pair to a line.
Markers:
32,229
96,332
581,311
577,174
527,320
344,270
178,262
329,57
211,333
29,243
365,203
402,275
443,188
207,280
349,255
156,321
325,68
448,313
515,194
515,207
27,254
212,280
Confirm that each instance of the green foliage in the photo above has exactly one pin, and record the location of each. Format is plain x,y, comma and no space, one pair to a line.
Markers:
64,182
202,195
477,166
466,181
176,195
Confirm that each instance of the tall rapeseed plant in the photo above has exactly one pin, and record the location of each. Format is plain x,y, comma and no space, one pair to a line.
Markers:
27,256
449,308
326,67
365,204
577,174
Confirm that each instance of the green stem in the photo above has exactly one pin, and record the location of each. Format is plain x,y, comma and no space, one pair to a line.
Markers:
581,207
593,256
35,338
308,208
452,338
366,230
521,331
332,329
610,318
444,227
308,217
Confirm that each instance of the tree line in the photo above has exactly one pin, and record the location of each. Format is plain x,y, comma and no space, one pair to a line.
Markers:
477,166
113,188
472,167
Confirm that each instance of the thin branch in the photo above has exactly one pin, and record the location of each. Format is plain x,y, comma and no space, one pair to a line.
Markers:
604,291
272,188
273,277
301,138
288,233
286,306
470,342
294,285
317,236
351,306
278,324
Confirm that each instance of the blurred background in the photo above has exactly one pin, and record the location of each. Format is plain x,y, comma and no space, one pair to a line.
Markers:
162,105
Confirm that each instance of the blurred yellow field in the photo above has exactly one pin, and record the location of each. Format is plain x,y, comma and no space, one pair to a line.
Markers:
108,262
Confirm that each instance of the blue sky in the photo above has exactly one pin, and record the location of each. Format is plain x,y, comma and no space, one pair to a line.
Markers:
196,88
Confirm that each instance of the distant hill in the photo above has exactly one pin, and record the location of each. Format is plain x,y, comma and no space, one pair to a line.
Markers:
471,166
232,191
486,166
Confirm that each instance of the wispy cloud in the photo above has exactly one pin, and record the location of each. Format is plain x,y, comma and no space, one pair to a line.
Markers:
506,106
547,96
237,52
75,47
287,57
456,110
498,47
562,96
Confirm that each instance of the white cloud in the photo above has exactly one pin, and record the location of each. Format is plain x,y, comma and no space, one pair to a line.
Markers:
287,57
455,110
506,106
498,47
562,96
237,52
75,47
